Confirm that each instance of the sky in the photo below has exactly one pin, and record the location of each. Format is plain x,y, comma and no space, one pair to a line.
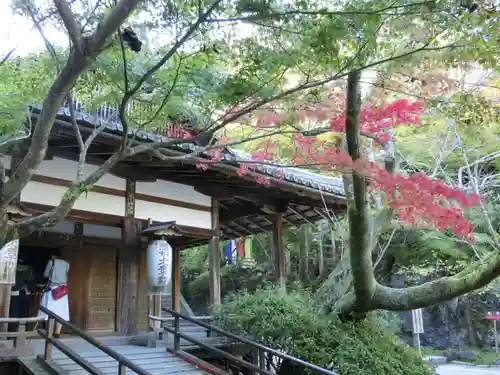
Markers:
15,32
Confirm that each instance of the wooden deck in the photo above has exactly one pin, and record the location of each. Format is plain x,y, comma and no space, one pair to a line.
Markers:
155,360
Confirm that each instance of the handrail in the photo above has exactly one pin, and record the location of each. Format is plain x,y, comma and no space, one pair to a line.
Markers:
122,360
243,340
78,359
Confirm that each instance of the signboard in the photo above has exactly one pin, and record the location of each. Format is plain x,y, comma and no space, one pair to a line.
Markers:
493,315
417,321
8,262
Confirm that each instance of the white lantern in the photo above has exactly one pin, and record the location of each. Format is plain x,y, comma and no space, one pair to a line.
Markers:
159,265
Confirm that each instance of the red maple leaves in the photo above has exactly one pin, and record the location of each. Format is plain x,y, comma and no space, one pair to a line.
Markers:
417,199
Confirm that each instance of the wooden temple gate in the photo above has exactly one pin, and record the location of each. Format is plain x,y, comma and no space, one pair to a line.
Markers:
103,237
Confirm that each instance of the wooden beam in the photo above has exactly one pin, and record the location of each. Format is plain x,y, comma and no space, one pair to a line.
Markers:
214,259
128,277
235,212
176,280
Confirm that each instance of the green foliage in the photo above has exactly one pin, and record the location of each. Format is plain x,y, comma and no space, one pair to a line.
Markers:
233,278
292,323
23,81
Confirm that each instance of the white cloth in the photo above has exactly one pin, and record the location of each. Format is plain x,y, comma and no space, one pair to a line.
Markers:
57,276
59,307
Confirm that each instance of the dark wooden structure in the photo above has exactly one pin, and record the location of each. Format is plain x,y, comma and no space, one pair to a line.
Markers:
102,236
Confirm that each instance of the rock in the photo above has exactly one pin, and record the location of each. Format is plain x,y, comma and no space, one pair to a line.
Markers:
147,339
460,355
497,361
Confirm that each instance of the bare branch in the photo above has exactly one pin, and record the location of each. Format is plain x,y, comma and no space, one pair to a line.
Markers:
323,12
74,123
312,84
28,226
129,94
70,23
59,90
109,26
38,26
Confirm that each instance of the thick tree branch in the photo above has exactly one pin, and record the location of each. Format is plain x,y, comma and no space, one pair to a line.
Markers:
59,90
70,23
109,26
358,211
28,226
444,289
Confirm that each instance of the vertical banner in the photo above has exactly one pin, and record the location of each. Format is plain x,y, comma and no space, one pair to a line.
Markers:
8,262
230,248
241,248
248,247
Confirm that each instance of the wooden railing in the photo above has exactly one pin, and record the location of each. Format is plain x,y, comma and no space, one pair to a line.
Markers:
263,357
50,342
20,337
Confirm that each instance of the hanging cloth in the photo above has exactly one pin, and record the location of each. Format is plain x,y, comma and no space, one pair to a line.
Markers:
230,248
248,247
241,248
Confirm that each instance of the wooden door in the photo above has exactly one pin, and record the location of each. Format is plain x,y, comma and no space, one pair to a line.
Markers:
103,289
92,287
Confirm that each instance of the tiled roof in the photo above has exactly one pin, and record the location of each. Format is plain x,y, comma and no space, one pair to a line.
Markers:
109,117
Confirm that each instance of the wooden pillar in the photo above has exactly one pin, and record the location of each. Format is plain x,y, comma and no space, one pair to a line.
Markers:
128,267
214,257
304,254
176,280
279,248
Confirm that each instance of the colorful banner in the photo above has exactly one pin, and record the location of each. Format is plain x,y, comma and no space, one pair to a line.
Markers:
241,248
248,247
230,248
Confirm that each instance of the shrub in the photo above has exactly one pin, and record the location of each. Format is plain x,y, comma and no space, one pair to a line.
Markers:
292,323
233,278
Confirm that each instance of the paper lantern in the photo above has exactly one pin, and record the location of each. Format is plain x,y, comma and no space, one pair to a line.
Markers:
159,265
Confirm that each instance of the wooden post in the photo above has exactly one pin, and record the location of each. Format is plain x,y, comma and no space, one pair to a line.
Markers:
47,354
128,267
271,247
176,280
305,247
321,258
495,331
214,257
279,247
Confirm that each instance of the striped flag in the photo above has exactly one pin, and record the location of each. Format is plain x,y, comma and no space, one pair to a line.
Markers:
248,247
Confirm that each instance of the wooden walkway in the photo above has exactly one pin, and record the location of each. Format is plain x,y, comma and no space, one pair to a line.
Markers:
155,360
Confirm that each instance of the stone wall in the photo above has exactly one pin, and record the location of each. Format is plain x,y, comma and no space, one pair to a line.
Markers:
457,323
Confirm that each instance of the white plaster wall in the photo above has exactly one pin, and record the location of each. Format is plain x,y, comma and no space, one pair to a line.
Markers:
36,192
66,170
40,193
91,230
162,212
172,190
